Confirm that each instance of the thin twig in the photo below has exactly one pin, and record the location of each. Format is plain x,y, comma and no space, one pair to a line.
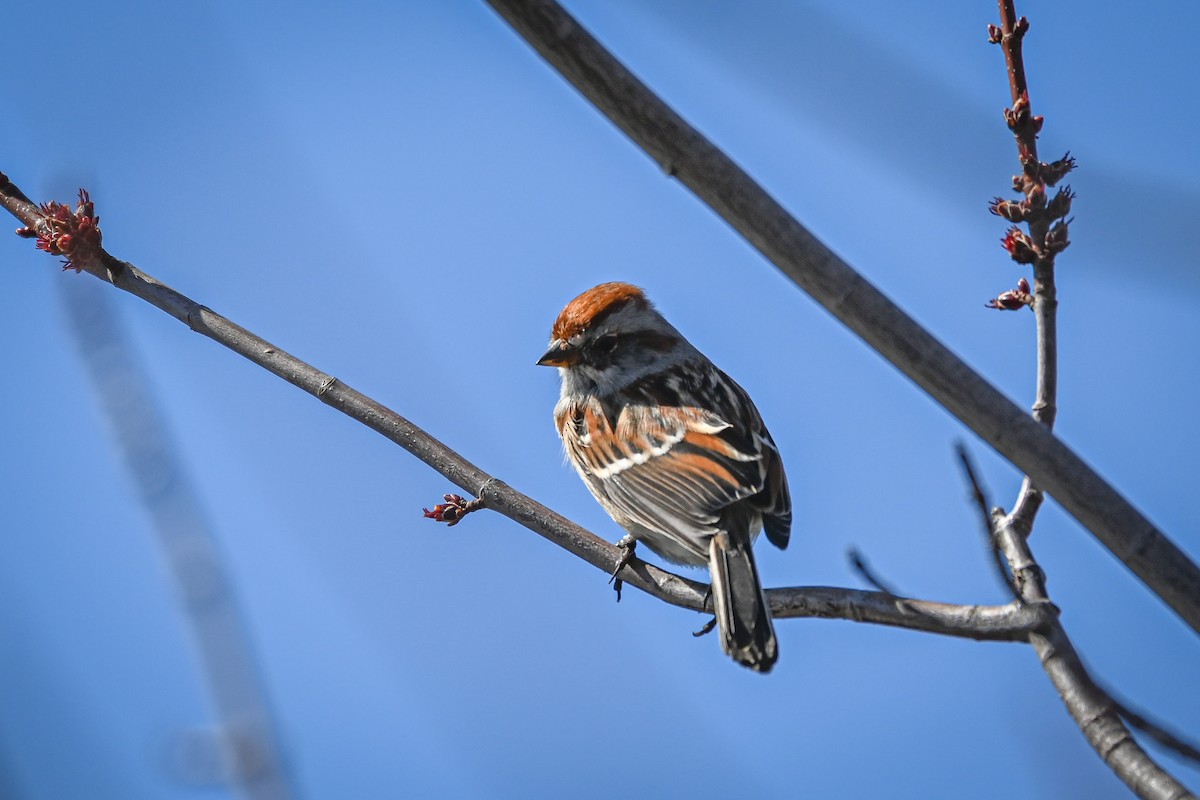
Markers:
684,153
1157,731
860,565
986,517
1092,708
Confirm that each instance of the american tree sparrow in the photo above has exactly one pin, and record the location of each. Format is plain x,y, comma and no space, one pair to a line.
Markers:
674,451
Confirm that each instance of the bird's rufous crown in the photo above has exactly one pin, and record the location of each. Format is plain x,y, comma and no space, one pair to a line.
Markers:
593,306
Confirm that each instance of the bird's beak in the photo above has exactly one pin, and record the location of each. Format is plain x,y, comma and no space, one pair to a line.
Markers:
560,354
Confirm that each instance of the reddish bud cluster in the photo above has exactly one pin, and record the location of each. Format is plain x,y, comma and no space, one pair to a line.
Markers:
1019,246
1020,120
1060,206
1044,216
1013,298
1009,209
73,234
1039,174
1034,208
452,511
1056,238
1055,171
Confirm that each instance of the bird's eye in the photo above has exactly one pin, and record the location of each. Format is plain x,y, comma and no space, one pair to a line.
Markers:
606,344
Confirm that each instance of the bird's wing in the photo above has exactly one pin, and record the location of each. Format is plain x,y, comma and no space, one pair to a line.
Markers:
673,468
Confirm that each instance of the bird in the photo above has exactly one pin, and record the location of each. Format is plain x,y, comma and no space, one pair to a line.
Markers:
674,450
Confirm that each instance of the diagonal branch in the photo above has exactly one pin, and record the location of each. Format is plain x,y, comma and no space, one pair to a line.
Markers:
684,153
1012,622
1093,710
989,524
1157,731
1098,716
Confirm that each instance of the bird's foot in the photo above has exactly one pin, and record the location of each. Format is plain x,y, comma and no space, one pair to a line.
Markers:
628,545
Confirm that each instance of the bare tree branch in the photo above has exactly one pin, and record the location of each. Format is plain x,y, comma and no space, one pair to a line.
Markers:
1156,730
1090,706
989,528
859,563
685,154
1097,715
1011,622
1043,247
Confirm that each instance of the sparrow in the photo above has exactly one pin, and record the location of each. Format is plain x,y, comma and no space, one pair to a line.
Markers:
674,450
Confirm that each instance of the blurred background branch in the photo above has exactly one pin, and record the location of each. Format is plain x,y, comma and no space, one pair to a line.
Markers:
243,750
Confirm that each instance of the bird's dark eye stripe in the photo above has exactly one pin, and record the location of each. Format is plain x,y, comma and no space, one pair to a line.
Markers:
654,341
649,340
606,343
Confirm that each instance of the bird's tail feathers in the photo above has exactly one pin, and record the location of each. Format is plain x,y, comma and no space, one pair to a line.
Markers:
743,618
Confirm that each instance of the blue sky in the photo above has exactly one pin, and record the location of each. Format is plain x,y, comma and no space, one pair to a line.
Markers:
404,195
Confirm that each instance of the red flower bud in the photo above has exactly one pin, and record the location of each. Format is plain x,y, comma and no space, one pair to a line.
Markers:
1019,246
1055,171
453,510
1057,239
1011,211
1060,206
1013,298
74,234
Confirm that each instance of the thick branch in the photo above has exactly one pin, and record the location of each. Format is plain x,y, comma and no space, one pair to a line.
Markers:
1097,715
715,179
1014,622
1092,709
